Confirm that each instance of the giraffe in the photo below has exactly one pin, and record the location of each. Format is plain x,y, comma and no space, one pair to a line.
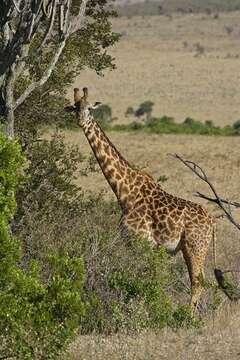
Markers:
147,209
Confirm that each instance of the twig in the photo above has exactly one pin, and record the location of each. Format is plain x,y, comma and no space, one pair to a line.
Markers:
233,203
202,175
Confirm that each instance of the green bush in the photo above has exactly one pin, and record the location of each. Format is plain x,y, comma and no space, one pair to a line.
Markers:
236,126
128,286
103,114
129,111
166,125
37,317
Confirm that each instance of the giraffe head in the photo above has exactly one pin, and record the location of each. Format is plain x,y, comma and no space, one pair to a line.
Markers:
82,106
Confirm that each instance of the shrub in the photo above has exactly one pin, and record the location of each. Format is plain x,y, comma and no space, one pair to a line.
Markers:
103,114
145,108
128,285
236,126
209,123
135,126
37,318
166,120
48,195
166,125
129,111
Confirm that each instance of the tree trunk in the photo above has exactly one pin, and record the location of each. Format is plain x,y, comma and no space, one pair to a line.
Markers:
9,123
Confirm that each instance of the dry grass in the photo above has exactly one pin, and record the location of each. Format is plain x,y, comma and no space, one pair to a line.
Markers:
217,340
154,64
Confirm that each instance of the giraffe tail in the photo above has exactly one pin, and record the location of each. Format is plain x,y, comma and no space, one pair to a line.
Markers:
227,286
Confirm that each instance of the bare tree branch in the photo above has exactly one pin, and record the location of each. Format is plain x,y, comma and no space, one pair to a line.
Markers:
221,202
46,8
50,26
233,203
16,6
44,78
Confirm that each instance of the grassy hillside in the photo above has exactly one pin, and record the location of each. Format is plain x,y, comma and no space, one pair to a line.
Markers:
188,65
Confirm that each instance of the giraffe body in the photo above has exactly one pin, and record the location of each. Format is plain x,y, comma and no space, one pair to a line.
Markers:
147,209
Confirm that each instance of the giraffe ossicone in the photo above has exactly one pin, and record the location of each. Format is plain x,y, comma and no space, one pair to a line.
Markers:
147,209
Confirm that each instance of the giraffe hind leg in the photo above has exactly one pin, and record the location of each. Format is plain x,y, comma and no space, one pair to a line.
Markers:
195,265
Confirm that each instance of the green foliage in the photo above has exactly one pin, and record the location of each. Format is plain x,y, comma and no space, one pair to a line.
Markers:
146,106
129,111
182,317
49,195
103,114
128,287
162,179
87,47
130,127
228,284
166,125
11,160
236,126
37,317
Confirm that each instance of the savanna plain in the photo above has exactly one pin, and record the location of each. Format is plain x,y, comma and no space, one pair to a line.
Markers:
187,65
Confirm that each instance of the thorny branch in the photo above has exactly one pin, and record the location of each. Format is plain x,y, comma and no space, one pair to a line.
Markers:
225,205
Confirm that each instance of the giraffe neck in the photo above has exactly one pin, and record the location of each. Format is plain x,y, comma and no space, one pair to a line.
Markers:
118,172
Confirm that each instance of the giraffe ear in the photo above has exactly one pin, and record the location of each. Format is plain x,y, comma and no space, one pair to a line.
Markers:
95,106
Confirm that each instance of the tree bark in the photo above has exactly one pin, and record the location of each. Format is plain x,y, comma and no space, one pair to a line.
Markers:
9,102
